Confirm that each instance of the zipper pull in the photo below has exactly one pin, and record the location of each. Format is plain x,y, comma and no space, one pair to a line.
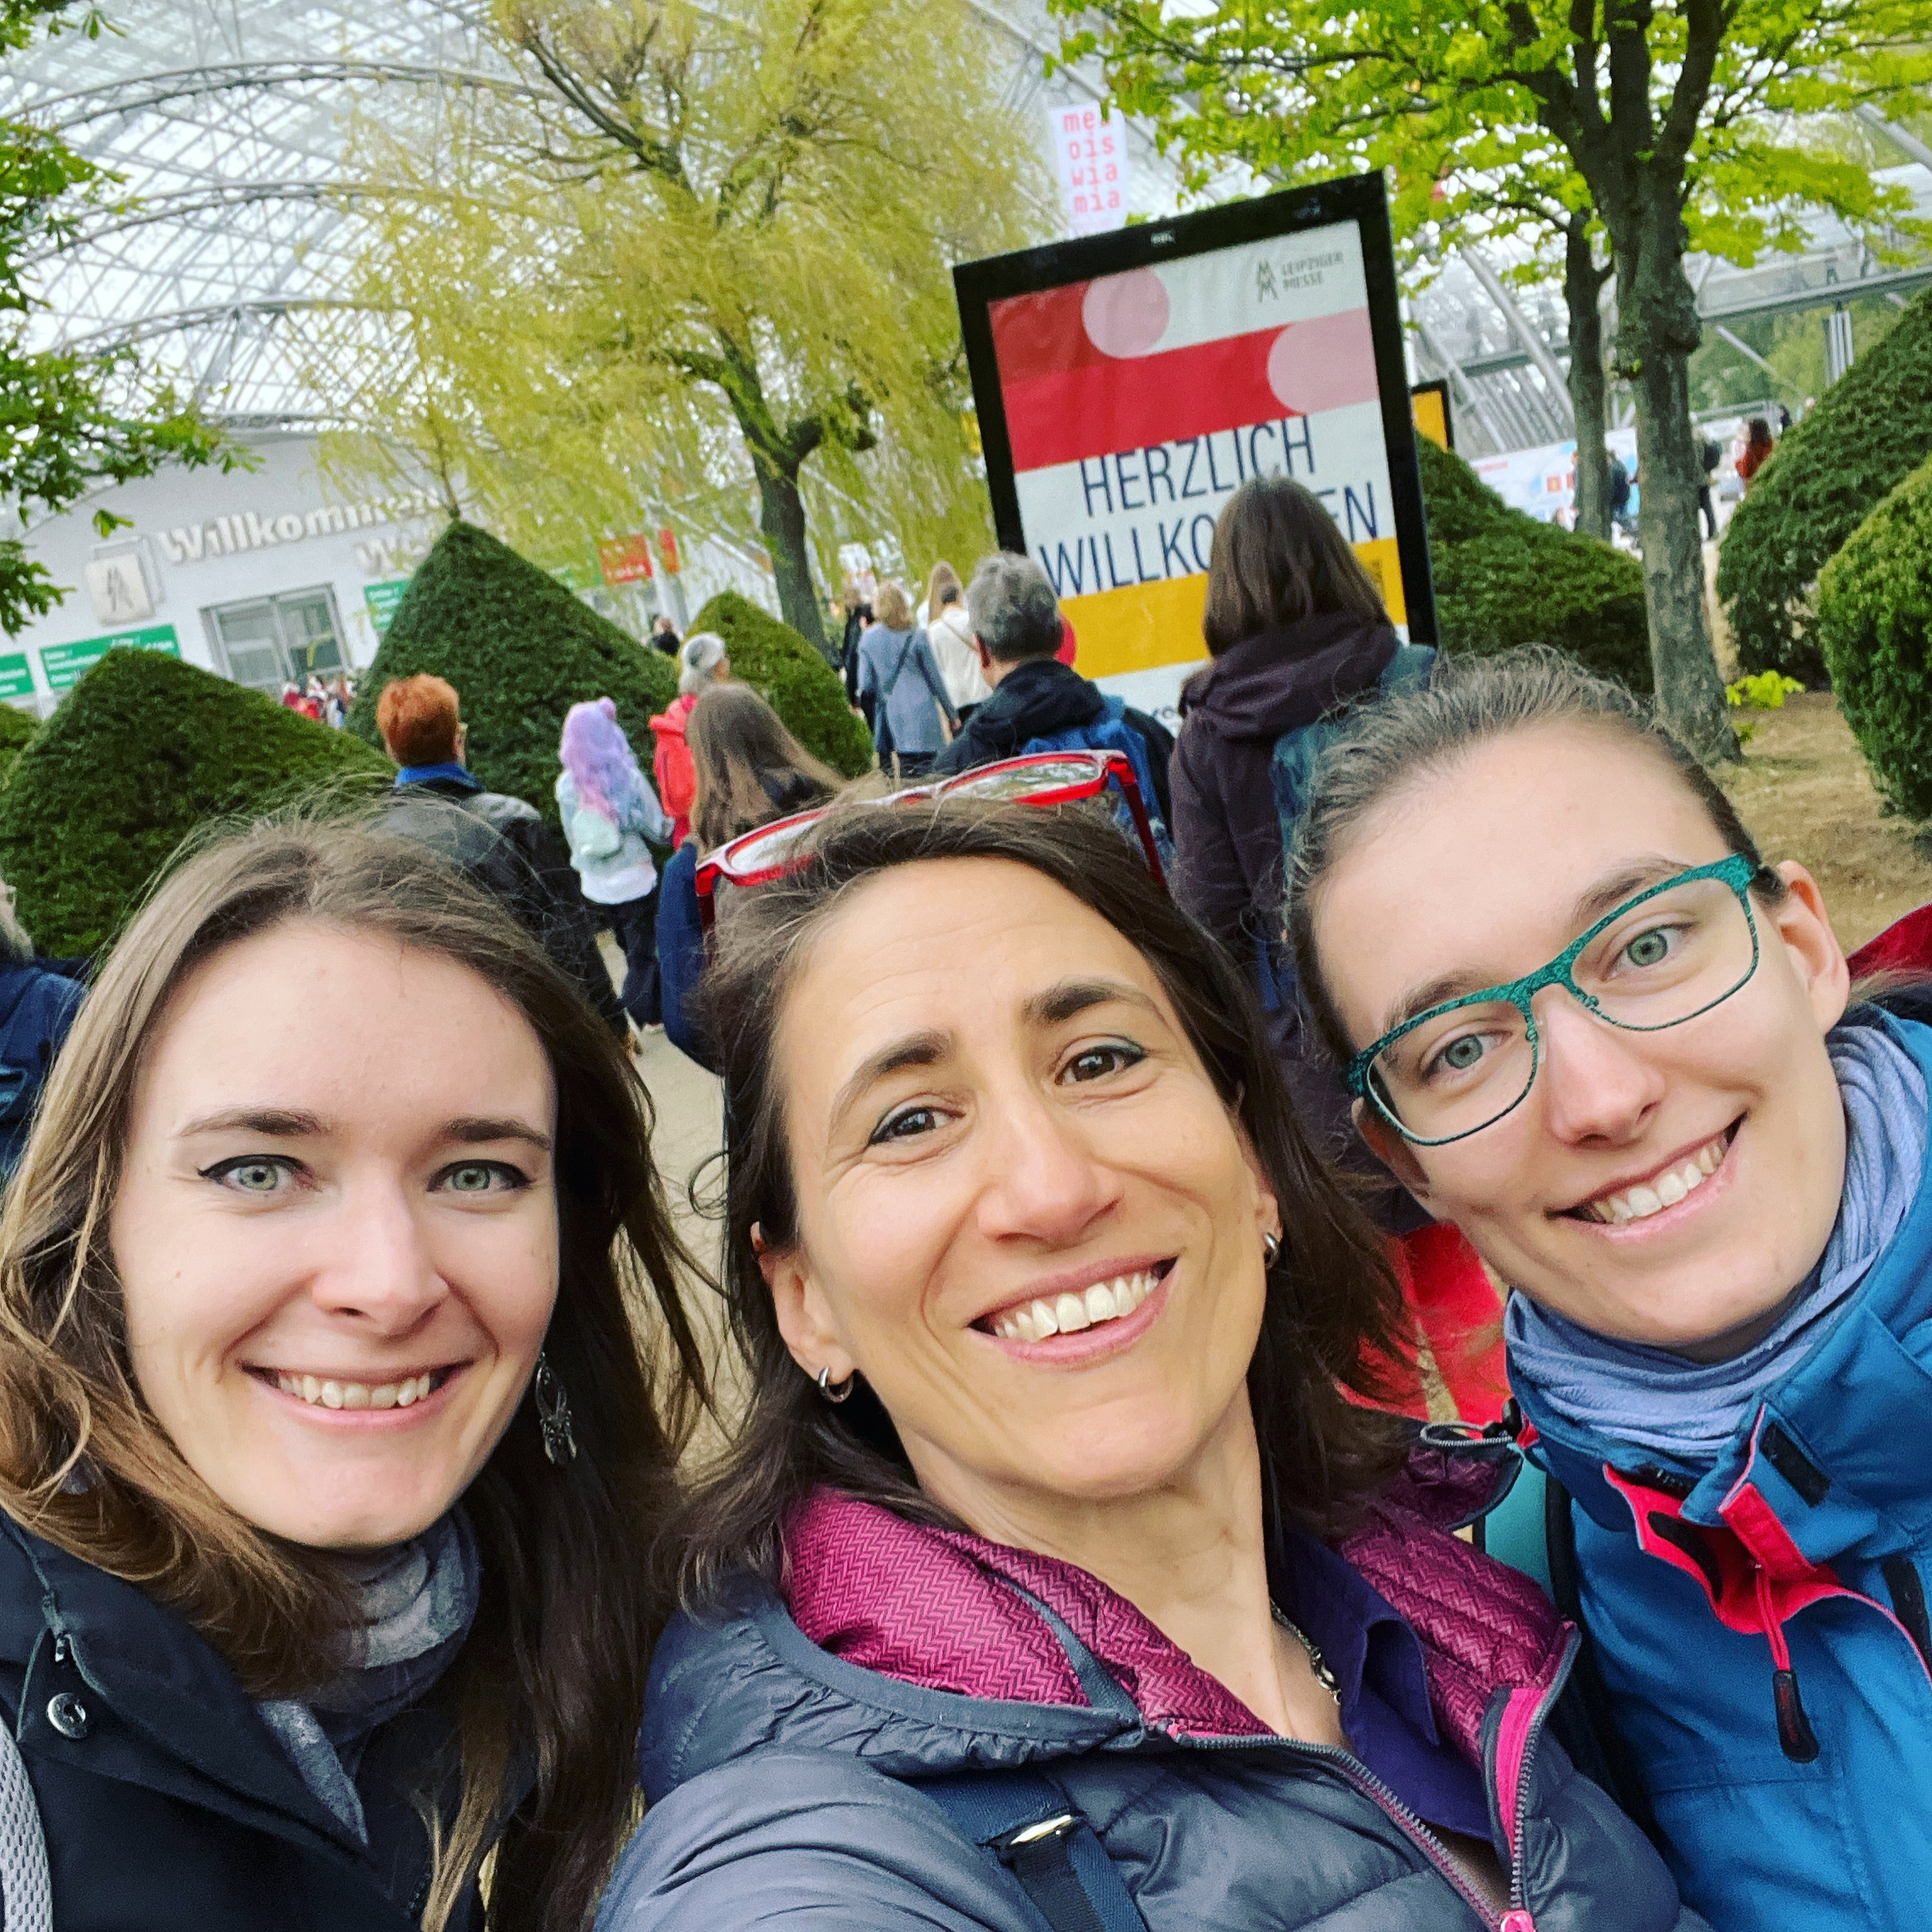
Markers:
60,1650
1519,1921
1795,1735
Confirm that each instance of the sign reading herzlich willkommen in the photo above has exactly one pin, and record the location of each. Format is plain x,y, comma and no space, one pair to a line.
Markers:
1128,384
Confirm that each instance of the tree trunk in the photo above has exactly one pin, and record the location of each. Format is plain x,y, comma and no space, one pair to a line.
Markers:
1589,390
1658,328
782,518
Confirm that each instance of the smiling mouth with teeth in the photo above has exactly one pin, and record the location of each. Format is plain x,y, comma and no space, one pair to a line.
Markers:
327,1392
1067,1314
1644,1198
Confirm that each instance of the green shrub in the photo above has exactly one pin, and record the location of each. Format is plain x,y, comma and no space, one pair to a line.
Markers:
792,678
520,649
1874,619
16,726
1503,578
1826,476
143,749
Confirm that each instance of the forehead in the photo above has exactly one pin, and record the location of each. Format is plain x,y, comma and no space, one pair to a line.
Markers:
950,944
1479,865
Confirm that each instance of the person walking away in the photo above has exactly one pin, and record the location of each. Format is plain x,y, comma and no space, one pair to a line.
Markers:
897,669
1757,448
751,770
1619,494
702,663
1296,633
664,636
1039,703
858,622
331,1433
37,1005
1711,454
609,812
500,842
950,634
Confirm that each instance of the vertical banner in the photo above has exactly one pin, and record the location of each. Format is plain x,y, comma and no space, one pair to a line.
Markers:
1090,154
1128,384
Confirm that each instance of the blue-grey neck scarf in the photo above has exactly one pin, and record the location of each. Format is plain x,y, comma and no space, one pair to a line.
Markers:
418,1601
1686,1411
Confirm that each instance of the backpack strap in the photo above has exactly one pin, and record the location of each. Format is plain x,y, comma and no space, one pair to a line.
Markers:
26,1892
1023,1819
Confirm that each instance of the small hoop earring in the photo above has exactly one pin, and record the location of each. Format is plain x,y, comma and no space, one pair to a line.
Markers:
1271,1248
832,1394
553,1414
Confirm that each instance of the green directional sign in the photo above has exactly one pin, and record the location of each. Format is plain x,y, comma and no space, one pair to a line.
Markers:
382,599
67,664
16,675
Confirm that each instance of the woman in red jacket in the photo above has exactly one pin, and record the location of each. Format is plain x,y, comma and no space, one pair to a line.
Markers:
703,663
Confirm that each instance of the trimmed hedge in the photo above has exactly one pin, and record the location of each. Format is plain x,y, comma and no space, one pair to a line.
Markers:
521,649
17,727
1502,578
143,749
1828,474
791,677
1874,620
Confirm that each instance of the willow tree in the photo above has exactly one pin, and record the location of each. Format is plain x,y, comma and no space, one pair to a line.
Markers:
699,260
1667,111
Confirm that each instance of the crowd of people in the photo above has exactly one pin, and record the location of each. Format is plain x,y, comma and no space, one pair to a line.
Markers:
325,700
1059,1555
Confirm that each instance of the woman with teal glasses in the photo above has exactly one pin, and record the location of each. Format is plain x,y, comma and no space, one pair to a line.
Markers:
1584,1021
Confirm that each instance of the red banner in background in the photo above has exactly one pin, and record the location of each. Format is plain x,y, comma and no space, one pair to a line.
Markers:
668,549
625,560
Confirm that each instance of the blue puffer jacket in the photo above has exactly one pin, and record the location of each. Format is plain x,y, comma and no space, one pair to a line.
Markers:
785,1781
1763,1635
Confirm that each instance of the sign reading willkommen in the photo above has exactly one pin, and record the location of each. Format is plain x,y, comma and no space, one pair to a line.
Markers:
1128,385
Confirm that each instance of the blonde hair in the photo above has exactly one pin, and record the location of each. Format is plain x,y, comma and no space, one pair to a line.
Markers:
892,607
554,1666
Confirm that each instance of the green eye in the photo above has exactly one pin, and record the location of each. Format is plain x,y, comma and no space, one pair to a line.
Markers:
1460,1055
473,1178
1650,948
255,1176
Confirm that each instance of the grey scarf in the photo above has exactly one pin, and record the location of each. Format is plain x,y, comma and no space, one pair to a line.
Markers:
1686,1411
418,1601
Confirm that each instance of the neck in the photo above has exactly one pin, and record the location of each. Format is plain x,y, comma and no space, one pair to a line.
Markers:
1190,1554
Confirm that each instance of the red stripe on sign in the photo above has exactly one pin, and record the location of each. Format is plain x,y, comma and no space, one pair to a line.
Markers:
1034,335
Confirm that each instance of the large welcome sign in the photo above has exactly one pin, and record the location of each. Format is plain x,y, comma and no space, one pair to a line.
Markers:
1127,385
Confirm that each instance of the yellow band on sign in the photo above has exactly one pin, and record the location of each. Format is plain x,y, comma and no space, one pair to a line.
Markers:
1146,626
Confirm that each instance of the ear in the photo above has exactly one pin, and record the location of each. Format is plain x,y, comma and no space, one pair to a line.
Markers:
1393,1152
804,1315
1810,943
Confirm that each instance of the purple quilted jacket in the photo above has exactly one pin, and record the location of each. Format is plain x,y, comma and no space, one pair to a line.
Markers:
784,1747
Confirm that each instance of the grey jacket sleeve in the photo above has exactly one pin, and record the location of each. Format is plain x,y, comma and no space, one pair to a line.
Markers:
815,1840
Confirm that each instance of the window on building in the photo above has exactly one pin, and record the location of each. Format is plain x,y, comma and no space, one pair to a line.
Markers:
268,643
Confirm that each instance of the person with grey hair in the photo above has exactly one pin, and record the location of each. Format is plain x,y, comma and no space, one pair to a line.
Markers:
702,663
1039,704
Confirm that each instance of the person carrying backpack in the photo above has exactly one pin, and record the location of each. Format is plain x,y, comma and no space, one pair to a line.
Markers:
1298,634
37,1007
1039,704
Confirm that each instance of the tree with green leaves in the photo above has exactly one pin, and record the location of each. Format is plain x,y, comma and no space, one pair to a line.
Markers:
701,258
70,420
1666,114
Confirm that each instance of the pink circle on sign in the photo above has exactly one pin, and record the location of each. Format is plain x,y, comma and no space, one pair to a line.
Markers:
1325,364
1126,314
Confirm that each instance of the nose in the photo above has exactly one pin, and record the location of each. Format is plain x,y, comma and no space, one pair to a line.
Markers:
1596,1082
378,1269
1042,1182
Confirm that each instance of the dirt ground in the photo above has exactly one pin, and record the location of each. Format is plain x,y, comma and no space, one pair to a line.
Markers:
1805,793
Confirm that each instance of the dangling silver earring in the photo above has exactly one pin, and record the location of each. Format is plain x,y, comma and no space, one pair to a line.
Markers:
831,1394
1271,1248
553,1414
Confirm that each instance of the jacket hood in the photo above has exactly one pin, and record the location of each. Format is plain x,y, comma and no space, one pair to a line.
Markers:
670,723
1039,697
1288,675
926,1651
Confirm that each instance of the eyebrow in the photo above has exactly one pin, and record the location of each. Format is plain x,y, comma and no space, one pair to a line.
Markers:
1071,997
290,1124
916,1049
1592,904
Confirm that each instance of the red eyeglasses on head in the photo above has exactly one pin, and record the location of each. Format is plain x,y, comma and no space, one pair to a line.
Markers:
757,857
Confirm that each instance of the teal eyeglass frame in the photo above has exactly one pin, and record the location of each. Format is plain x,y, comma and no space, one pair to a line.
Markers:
1738,871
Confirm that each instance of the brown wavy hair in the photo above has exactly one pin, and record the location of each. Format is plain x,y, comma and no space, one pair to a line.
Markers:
552,1674
1333,1309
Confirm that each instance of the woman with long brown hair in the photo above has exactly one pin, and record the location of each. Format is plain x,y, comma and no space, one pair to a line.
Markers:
1052,1576
331,1438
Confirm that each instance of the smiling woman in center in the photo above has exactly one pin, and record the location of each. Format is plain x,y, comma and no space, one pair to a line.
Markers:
1051,1574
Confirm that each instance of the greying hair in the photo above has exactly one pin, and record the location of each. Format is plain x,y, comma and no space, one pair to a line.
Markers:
1014,612
700,656
1400,743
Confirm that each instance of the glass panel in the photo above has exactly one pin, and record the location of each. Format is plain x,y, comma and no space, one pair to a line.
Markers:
309,629
251,643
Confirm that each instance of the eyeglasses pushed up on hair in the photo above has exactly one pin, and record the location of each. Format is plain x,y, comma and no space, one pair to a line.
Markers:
1667,955
770,852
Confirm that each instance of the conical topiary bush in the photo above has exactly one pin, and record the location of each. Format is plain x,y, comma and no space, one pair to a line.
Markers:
520,649
791,677
145,749
16,726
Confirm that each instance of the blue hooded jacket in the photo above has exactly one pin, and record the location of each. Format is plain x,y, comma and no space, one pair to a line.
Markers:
1763,1635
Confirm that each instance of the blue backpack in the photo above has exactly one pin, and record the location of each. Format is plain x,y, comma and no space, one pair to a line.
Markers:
1292,764
1113,733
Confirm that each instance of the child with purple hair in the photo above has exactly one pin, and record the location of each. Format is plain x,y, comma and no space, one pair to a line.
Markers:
609,810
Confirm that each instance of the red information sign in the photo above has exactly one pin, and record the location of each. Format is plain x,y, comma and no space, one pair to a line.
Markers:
625,560
668,549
